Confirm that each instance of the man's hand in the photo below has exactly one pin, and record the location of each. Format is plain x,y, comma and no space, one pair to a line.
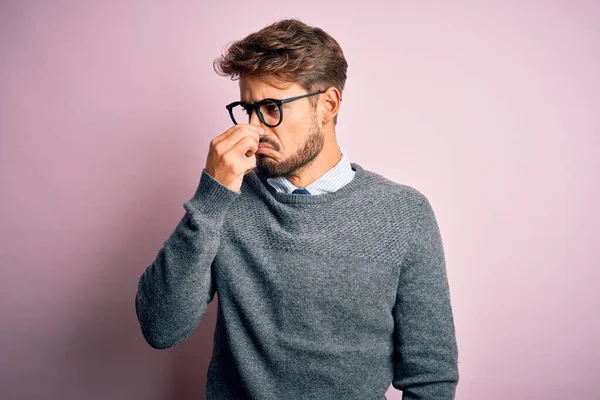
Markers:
232,154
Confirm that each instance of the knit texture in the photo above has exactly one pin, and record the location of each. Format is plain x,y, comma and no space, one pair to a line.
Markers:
330,296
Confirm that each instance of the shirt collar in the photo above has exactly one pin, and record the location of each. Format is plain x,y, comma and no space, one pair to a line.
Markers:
332,180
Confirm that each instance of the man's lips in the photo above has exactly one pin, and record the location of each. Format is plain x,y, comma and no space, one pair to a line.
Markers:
264,149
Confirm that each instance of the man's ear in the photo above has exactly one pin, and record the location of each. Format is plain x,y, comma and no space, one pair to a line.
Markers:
331,104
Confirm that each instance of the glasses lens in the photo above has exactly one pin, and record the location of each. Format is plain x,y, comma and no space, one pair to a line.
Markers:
240,114
271,113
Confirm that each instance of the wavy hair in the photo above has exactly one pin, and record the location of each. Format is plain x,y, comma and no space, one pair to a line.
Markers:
291,51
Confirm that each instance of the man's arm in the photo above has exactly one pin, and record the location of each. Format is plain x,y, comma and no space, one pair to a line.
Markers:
174,291
425,348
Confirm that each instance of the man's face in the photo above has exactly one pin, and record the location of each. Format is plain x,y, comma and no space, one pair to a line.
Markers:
299,137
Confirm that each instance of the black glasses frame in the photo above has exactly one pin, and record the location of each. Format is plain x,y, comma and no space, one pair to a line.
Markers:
256,107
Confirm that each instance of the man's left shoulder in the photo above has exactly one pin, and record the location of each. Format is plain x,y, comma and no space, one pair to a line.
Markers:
401,193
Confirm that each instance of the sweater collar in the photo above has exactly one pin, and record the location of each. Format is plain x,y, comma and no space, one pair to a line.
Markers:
361,182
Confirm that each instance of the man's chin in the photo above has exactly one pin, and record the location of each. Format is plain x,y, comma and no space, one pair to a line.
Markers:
266,172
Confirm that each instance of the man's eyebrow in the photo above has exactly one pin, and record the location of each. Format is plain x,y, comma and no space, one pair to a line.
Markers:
254,102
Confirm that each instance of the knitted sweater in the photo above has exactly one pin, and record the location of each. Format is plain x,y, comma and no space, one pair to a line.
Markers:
330,296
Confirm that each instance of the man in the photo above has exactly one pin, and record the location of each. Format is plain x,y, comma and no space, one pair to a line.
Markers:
331,278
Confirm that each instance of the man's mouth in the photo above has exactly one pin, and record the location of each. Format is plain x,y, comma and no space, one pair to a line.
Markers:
264,149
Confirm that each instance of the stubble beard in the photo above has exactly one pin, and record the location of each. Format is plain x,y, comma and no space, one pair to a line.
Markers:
312,147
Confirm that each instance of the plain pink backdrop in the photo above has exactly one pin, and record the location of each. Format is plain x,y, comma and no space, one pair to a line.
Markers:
491,109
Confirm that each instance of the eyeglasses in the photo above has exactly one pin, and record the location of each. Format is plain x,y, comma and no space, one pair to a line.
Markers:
270,111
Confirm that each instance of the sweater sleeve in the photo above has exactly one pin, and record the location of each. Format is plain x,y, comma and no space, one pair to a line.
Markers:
175,290
425,348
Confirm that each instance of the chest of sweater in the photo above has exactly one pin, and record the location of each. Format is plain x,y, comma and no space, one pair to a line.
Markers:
316,269
306,285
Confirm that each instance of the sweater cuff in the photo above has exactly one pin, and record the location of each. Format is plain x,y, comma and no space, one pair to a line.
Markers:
211,196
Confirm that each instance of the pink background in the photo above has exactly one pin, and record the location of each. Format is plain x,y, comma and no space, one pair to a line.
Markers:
106,112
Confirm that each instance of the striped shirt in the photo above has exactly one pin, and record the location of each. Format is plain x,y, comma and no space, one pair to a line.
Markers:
332,180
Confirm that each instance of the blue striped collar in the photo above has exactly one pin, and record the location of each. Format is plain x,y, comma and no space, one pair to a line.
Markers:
332,180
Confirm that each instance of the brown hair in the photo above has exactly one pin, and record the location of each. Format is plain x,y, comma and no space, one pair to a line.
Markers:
289,50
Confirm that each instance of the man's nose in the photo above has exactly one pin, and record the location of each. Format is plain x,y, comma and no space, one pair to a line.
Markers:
254,119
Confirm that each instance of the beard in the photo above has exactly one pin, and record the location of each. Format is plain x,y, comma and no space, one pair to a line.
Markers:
311,148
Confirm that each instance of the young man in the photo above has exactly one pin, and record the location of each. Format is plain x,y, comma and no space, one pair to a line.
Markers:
331,278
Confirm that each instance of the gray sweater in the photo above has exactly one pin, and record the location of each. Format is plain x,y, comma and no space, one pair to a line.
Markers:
330,296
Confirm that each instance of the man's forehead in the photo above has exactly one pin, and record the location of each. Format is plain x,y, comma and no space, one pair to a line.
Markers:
254,89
